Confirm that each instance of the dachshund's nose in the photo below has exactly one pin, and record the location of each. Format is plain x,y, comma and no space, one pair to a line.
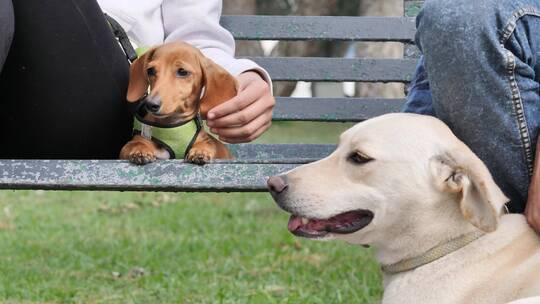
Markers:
277,184
153,104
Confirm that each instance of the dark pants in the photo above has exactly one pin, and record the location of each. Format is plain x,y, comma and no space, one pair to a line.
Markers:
63,82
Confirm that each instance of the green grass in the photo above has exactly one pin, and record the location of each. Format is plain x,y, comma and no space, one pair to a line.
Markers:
112,247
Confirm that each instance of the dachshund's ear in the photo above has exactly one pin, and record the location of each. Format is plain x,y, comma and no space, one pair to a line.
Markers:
220,85
138,78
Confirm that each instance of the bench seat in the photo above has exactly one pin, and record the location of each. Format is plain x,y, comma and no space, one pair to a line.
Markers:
254,162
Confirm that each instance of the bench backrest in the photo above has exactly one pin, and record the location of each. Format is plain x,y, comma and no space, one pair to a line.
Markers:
254,163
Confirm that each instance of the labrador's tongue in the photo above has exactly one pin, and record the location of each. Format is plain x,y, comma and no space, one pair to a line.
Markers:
294,223
337,222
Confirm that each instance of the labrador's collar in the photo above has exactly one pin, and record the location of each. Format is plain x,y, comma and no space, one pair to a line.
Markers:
433,254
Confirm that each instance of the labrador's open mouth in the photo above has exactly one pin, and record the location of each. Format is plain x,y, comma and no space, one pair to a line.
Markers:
343,223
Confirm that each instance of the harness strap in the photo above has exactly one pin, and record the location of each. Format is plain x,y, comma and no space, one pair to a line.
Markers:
122,37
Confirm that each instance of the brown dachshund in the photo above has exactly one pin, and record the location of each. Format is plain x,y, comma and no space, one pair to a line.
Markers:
172,85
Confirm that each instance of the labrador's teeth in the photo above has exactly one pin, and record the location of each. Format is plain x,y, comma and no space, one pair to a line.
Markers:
304,221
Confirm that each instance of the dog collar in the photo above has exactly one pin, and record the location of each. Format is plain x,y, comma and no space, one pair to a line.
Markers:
140,112
433,254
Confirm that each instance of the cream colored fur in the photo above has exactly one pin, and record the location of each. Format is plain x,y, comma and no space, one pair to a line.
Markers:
424,187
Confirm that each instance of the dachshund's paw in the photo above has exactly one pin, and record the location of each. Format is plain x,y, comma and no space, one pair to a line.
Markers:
141,158
199,156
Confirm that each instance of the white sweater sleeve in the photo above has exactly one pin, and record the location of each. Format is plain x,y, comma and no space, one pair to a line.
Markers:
197,23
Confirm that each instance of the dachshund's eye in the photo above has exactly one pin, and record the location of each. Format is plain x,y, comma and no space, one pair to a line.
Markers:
151,72
359,158
182,73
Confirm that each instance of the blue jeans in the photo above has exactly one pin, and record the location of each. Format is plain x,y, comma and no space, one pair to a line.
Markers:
483,62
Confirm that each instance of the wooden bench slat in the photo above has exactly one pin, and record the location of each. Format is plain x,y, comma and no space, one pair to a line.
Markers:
247,173
337,69
120,175
333,109
320,28
280,153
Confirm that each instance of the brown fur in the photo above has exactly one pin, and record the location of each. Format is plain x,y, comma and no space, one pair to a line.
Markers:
179,98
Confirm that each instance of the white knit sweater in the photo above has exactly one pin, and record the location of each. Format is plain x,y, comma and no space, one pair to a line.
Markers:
153,22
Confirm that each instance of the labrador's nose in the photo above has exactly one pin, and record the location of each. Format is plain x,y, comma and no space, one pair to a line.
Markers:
153,104
277,184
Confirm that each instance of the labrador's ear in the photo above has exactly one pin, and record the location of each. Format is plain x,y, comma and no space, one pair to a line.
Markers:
220,85
461,173
138,78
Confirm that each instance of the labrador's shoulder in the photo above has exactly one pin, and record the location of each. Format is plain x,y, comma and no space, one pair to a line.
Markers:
515,225
517,235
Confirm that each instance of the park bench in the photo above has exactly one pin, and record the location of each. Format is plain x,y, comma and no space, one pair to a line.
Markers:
254,162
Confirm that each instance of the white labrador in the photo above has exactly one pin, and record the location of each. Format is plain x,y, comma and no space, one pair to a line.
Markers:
404,184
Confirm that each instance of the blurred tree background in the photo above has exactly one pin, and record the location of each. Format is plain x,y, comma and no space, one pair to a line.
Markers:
322,48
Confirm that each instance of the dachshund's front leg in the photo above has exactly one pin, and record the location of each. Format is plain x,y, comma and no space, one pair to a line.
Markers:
207,148
141,151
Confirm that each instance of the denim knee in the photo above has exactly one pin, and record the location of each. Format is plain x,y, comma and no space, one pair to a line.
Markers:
442,21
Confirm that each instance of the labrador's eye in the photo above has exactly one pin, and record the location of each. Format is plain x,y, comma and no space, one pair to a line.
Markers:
182,73
359,158
151,72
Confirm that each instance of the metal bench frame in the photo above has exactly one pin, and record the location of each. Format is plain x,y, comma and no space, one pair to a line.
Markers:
254,163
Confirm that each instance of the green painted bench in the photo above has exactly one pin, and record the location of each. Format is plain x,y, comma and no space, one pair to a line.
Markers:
254,162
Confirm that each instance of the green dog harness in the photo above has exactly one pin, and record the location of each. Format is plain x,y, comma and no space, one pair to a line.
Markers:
177,140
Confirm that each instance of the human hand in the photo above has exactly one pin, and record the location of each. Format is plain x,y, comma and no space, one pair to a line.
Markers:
532,210
246,116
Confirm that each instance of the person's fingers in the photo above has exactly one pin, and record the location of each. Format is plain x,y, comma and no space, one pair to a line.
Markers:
253,92
244,131
252,137
245,116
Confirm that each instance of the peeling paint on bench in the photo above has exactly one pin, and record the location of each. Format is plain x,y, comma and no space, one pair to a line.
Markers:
121,175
